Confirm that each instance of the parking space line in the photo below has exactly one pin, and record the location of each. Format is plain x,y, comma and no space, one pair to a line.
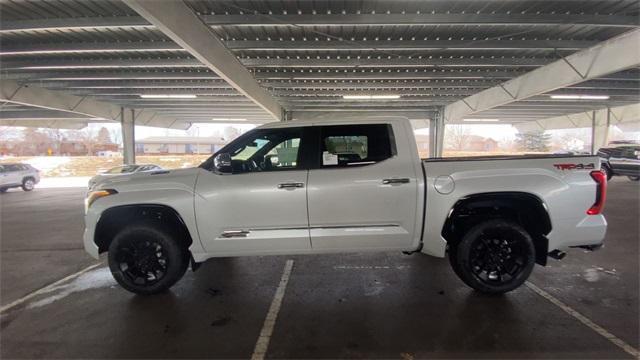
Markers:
46,288
586,321
270,321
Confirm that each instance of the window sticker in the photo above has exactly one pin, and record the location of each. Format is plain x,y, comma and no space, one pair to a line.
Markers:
329,158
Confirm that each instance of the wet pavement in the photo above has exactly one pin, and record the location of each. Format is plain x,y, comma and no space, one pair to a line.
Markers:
383,305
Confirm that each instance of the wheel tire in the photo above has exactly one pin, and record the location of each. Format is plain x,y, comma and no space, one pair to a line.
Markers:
607,171
28,184
140,266
3,190
495,257
634,178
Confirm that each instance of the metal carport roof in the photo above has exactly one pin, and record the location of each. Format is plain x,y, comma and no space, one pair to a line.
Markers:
308,54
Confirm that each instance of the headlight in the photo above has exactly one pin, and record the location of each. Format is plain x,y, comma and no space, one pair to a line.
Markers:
92,196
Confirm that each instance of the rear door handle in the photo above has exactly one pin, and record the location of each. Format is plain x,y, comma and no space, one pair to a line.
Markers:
396,181
235,233
291,185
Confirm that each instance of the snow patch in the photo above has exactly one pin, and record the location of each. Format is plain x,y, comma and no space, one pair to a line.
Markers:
47,163
63,182
94,279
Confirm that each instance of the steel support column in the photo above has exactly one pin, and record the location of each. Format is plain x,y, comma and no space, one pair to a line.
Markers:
128,136
601,130
436,133
593,132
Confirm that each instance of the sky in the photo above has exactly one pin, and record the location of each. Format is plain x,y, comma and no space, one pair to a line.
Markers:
496,132
202,130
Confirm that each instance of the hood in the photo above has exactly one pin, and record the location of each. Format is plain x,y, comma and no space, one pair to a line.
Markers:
159,179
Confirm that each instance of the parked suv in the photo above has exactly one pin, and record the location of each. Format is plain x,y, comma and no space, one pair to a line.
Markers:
18,175
621,160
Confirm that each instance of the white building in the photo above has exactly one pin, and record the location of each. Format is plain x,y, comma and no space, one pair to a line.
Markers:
179,145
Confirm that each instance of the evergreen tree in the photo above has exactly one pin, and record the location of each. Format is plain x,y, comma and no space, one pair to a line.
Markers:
103,136
533,141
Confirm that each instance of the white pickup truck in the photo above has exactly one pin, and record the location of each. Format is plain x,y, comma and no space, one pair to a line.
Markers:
347,186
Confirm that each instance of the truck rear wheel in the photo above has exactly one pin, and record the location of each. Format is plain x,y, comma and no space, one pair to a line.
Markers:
494,257
146,260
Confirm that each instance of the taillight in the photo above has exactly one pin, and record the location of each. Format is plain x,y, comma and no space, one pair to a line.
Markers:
601,192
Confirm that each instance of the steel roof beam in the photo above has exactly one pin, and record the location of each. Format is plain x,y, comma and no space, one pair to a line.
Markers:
23,94
123,63
611,56
88,47
199,99
323,93
115,91
345,113
382,75
288,75
373,84
419,19
271,75
618,115
73,23
178,21
113,75
139,46
332,20
414,61
372,45
40,115
415,75
13,92
62,64
51,123
138,84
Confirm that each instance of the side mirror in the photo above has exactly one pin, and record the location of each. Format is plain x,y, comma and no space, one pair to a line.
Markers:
222,163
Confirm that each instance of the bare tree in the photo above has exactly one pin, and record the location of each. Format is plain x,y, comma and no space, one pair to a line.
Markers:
103,136
116,135
56,137
86,137
456,137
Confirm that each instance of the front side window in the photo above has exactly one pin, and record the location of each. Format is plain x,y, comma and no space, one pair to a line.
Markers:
122,169
266,150
355,145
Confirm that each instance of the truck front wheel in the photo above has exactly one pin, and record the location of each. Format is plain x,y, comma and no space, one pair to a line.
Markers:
146,260
494,257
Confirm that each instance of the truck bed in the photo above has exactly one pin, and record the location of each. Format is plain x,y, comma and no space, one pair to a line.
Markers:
562,183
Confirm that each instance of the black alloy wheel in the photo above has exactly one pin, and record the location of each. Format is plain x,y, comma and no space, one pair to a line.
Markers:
146,259
143,262
495,256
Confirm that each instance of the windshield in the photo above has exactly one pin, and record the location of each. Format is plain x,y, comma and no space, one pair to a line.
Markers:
122,169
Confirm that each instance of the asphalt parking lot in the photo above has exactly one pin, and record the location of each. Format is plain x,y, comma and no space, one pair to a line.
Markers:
385,305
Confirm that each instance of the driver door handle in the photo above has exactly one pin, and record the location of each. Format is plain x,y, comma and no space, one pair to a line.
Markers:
396,181
291,185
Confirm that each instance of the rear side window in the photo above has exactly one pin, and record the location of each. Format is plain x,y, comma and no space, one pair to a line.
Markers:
355,145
